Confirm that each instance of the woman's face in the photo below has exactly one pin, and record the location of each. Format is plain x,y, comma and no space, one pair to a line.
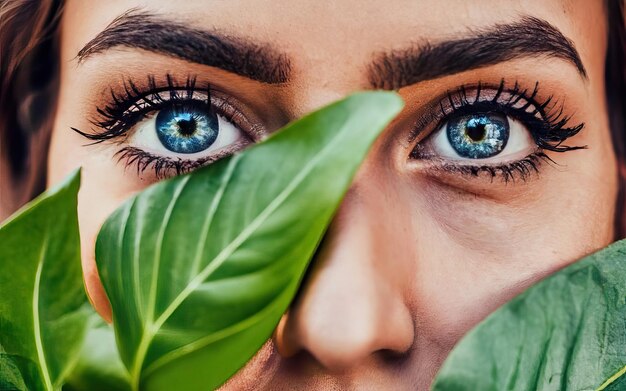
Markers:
466,199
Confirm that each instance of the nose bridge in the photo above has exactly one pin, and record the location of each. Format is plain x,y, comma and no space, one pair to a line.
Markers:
349,308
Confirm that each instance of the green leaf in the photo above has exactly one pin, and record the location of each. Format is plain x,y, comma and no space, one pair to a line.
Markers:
43,307
99,367
10,375
617,382
200,268
568,332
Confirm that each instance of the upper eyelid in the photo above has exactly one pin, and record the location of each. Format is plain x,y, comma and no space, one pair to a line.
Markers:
156,99
466,96
122,101
547,121
515,98
135,93
129,99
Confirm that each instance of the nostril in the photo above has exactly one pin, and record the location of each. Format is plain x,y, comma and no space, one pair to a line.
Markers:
394,357
339,342
349,313
338,348
283,340
329,344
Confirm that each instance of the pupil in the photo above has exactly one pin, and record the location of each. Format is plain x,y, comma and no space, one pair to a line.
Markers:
186,127
477,132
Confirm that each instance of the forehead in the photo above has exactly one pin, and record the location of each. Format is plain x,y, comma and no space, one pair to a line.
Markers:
346,28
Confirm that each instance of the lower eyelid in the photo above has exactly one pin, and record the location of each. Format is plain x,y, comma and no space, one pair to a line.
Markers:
521,170
171,164
164,166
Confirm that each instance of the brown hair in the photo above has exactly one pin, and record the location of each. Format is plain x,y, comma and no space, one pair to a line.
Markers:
615,81
29,84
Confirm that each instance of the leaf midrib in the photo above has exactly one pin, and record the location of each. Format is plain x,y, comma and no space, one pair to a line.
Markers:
612,379
159,248
218,335
148,333
234,245
208,221
41,355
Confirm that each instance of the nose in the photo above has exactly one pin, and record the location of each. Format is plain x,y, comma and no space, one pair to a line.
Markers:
351,307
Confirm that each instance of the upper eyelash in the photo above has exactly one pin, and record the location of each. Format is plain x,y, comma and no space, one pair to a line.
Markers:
116,118
546,122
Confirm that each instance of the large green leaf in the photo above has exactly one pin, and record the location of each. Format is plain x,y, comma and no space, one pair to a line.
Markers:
43,307
568,332
200,268
99,367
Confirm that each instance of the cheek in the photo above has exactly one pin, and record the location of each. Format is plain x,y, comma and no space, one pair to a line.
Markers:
104,187
96,201
473,252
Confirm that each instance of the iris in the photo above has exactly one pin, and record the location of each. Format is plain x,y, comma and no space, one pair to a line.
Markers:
478,136
187,128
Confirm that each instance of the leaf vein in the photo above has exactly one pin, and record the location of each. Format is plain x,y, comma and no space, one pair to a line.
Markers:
211,213
249,230
41,355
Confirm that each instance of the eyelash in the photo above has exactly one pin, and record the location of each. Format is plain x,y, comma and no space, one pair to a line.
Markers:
124,111
163,166
118,117
546,123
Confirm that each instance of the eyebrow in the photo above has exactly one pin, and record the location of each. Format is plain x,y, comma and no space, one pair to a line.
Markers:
529,37
143,30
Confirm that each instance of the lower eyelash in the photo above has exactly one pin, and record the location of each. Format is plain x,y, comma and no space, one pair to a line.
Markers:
164,167
521,169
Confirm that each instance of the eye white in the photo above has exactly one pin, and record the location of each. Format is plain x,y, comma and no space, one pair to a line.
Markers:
144,137
519,145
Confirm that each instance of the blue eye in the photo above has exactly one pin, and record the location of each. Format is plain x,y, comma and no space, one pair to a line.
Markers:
187,128
478,136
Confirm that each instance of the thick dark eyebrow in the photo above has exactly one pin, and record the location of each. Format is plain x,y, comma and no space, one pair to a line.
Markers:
530,37
143,30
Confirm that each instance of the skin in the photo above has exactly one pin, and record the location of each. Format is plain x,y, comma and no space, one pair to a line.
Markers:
416,256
